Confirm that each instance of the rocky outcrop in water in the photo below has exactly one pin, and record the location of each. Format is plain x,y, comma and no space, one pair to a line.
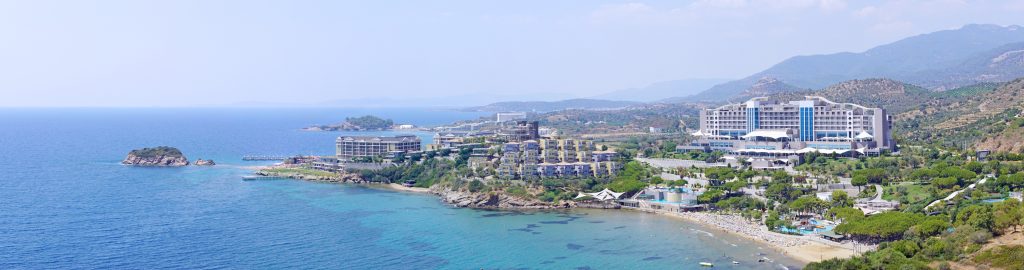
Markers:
163,156
340,177
494,200
205,162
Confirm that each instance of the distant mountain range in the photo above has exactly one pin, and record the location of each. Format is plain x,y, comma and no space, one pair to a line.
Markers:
663,91
939,61
548,106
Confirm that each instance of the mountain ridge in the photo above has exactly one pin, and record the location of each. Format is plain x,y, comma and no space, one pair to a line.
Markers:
931,60
549,106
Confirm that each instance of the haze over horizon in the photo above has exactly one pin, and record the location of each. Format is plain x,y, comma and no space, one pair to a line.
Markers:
448,53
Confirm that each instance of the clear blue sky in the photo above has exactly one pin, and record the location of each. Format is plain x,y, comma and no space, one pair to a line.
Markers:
309,53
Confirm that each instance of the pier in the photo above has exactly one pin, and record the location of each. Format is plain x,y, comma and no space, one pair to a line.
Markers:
260,177
262,158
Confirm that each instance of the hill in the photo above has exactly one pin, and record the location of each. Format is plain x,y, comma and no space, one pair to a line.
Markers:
549,106
894,96
983,116
940,60
1001,64
667,91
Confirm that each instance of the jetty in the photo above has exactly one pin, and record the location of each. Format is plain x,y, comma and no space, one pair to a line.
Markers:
262,157
260,177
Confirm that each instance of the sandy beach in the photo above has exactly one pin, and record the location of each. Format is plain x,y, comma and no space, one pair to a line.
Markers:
804,248
408,189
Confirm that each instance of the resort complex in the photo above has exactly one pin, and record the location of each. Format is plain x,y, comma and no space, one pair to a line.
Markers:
376,146
553,158
764,127
808,173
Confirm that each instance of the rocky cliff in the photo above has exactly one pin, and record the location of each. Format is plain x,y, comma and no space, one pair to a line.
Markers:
163,156
493,200
340,177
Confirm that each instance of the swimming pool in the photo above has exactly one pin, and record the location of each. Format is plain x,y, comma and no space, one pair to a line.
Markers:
824,228
993,200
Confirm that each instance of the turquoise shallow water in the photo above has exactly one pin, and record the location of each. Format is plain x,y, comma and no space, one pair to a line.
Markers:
66,203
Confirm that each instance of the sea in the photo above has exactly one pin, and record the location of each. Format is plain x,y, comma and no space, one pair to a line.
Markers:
67,203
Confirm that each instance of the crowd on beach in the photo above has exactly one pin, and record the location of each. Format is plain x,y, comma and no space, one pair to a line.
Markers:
750,229
745,227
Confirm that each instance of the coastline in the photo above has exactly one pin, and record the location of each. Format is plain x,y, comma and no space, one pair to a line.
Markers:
805,249
402,188
802,248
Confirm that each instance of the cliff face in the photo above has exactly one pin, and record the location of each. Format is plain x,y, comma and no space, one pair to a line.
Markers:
162,156
341,177
157,161
493,200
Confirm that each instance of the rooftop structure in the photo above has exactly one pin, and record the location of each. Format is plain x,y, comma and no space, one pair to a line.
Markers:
773,128
509,116
369,146
521,131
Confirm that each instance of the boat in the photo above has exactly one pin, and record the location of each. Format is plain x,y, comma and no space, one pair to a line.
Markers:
735,262
707,264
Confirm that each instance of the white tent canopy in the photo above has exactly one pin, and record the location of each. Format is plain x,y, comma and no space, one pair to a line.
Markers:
774,134
604,195
698,133
864,136
823,151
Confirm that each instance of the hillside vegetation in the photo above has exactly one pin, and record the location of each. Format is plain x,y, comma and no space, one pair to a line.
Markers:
160,151
940,61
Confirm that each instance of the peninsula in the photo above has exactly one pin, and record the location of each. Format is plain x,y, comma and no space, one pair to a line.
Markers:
362,123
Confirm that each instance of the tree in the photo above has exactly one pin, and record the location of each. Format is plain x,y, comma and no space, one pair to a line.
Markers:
735,185
874,176
1008,214
710,196
782,176
978,216
782,192
945,182
929,228
859,181
808,204
888,225
841,199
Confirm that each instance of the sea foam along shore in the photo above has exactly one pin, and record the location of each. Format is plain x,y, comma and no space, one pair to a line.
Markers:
804,248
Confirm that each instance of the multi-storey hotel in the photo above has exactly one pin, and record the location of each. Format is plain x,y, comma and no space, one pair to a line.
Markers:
368,146
554,158
772,128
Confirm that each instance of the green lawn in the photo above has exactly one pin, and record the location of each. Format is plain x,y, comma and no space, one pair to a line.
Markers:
913,193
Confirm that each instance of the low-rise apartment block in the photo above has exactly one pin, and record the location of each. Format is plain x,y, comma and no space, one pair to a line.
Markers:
553,158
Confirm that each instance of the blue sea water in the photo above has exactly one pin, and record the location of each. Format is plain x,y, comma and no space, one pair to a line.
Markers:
66,203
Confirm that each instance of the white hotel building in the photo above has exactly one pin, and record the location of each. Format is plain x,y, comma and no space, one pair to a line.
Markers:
772,128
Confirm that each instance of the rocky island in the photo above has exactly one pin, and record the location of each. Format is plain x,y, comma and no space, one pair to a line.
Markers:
362,123
162,156
204,162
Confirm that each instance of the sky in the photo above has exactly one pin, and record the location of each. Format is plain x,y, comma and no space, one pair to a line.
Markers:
213,53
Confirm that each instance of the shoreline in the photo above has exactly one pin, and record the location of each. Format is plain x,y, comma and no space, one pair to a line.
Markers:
802,248
805,249
398,187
